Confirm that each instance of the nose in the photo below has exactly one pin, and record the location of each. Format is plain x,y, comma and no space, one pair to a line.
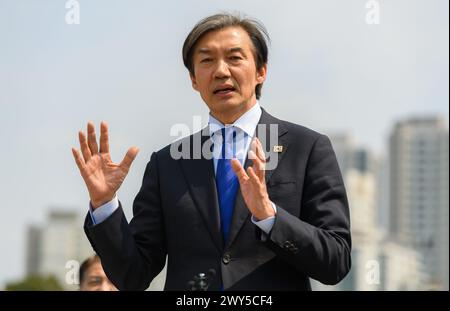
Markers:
222,71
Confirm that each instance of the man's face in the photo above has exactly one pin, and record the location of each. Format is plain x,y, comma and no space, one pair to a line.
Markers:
225,72
96,280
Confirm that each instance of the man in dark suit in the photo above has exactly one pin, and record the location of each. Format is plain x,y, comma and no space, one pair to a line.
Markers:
265,214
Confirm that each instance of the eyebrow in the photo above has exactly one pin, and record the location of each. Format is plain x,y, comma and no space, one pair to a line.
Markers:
232,50
237,49
204,51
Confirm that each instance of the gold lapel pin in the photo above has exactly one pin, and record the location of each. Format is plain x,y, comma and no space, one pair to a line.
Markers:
278,149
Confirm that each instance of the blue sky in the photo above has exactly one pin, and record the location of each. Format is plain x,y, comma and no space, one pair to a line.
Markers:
328,70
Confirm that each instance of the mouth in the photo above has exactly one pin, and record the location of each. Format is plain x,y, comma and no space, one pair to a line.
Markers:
225,90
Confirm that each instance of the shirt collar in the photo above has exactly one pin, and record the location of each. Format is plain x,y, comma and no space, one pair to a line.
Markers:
247,122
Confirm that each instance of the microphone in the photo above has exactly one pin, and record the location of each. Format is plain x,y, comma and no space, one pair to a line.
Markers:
201,281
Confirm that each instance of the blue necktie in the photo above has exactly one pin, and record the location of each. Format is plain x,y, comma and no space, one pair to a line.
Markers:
227,185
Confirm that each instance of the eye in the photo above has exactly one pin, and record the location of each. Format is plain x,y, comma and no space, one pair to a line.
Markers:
235,57
206,60
95,281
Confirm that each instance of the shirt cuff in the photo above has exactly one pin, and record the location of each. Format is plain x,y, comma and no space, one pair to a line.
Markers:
104,211
266,224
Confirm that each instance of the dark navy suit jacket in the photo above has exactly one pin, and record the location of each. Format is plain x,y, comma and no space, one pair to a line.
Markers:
176,214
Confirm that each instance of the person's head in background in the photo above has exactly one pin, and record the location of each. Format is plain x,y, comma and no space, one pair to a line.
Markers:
92,276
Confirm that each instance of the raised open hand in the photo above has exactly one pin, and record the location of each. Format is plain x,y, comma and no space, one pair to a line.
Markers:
253,183
102,177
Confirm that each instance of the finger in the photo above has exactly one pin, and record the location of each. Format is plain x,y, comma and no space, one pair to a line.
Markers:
104,138
239,170
260,151
262,159
129,158
78,159
258,166
252,149
84,146
92,140
252,175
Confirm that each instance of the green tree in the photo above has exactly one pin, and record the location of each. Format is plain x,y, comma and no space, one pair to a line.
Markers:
35,283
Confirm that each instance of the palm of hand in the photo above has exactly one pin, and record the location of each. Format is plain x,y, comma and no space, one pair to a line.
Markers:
102,177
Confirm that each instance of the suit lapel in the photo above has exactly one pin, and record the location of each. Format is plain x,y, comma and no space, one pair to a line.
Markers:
263,131
200,177
269,126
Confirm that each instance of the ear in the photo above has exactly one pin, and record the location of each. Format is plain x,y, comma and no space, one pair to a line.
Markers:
194,81
261,74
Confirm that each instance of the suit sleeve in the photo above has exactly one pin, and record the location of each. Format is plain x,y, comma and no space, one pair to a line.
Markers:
319,242
133,254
